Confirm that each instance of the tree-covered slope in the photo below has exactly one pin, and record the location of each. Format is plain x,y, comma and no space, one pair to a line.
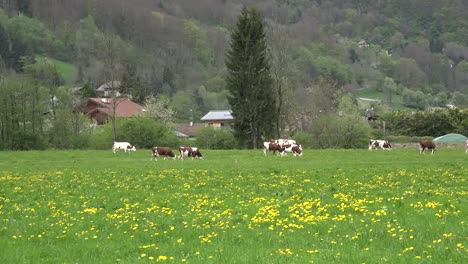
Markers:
417,49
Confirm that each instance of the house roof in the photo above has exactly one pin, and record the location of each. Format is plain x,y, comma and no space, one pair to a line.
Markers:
187,129
218,115
124,107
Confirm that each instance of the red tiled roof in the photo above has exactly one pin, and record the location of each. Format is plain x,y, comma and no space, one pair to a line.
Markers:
124,107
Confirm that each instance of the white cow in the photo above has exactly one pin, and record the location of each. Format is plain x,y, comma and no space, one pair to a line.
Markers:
466,146
125,146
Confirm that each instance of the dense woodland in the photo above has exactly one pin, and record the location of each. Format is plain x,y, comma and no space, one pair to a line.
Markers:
415,56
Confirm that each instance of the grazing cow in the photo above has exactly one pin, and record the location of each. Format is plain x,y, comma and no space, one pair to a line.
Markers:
426,144
125,146
189,152
272,147
162,151
295,149
466,146
379,144
282,141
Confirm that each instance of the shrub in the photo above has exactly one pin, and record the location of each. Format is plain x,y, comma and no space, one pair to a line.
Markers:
304,138
407,139
143,132
212,138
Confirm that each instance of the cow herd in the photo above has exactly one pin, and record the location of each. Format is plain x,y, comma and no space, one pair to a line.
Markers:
281,146
422,144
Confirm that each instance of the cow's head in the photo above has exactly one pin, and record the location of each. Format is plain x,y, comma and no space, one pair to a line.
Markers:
131,147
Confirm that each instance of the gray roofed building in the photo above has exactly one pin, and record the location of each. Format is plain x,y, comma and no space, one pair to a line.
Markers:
218,115
218,118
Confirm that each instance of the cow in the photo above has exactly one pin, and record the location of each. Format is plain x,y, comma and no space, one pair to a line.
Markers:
295,149
189,152
283,141
379,144
272,147
426,144
466,146
162,151
125,146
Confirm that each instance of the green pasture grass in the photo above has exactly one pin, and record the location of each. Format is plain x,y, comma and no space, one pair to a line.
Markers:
236,206
67,70
397,100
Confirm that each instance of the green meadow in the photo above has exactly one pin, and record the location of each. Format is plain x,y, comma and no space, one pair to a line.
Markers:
235,206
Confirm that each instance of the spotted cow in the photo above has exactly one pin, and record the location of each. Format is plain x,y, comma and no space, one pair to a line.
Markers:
295,149
427,144
379,144
270,146
283,141
189,152
166,152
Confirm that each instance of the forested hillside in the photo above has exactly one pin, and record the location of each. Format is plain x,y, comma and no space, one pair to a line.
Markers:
411,52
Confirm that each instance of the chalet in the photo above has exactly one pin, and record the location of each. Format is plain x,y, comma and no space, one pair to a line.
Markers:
217,118
99,109
106,89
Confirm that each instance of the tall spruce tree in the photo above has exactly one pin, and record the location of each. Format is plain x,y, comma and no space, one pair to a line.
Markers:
249,82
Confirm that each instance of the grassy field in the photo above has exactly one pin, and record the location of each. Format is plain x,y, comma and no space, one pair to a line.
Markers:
67,70
397,100
330,206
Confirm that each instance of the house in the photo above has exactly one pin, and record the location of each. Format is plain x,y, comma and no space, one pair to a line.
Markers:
217,118
188,131
105,90
363,43
99,109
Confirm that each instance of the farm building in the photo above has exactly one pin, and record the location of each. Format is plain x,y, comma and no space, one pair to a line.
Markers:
218,118
99,109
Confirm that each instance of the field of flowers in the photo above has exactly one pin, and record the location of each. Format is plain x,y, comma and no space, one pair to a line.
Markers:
330,206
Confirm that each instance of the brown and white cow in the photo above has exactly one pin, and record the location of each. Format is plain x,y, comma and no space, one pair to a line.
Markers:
270,146
466,146
283,141
125,146
295,149
426,144
189,152
162,151
379,144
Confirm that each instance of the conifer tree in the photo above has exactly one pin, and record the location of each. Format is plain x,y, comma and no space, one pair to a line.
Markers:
249,82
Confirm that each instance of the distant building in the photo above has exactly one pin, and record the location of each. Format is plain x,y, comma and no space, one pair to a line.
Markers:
99,109
188,131
106,89
363,43
371,115
218,118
